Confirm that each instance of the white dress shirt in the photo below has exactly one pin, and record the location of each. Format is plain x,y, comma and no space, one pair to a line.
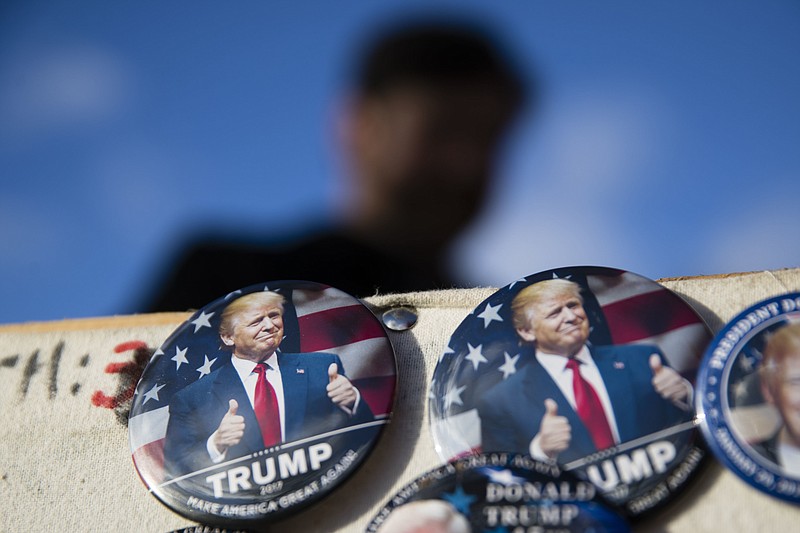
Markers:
245,370
556,367
788,455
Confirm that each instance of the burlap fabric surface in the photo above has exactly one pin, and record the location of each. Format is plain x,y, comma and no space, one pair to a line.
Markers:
65,462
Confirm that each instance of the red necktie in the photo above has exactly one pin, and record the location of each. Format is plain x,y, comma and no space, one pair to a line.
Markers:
589,408
265,404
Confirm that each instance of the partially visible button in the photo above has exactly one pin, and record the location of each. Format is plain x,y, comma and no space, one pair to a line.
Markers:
491,491
399,318
750,373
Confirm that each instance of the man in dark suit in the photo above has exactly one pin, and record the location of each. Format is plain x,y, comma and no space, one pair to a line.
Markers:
576,399
780,386
261,397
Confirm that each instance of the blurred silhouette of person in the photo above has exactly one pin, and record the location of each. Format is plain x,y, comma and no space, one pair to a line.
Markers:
431,102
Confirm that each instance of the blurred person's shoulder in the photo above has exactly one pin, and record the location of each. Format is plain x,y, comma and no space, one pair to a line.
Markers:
209,267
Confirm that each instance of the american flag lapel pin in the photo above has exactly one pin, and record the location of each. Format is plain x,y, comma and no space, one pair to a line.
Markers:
619,365
300,370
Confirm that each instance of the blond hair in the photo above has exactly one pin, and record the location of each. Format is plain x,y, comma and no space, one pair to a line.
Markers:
245,303
780,345
537,292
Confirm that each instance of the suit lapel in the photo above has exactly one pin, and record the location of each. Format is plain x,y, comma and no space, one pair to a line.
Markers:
294,376
540,386
539,383
228,386
615,377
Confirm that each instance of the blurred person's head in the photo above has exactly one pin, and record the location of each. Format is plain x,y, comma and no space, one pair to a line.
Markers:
780,377
431,103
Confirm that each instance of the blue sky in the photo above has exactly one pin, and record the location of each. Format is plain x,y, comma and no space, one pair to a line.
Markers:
666,142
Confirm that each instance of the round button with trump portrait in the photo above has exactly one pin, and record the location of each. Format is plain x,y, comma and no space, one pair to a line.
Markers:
591,368
261,403
748,399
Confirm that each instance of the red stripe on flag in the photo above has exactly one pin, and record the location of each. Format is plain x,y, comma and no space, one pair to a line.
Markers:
336,327
646,315
149,461
378,392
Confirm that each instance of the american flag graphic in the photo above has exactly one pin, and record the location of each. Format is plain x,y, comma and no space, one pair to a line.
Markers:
623,308
316,318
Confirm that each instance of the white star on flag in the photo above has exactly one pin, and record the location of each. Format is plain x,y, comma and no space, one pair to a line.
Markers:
740,389
232,294
180,357
510,366
202,321
475,355
490,313
453,396
520,280
152,394
155,355
446,351
206,368
747,364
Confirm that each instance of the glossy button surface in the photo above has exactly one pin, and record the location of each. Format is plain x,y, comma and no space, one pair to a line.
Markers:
261,403
590,367
748,396
498,492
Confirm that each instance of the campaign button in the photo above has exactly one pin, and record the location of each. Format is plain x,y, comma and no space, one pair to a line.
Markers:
590,367
498,492
261,403
748,396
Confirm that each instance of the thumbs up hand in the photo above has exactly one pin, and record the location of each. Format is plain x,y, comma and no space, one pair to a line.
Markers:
231,428
340,390
668,383
655,364
555,433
